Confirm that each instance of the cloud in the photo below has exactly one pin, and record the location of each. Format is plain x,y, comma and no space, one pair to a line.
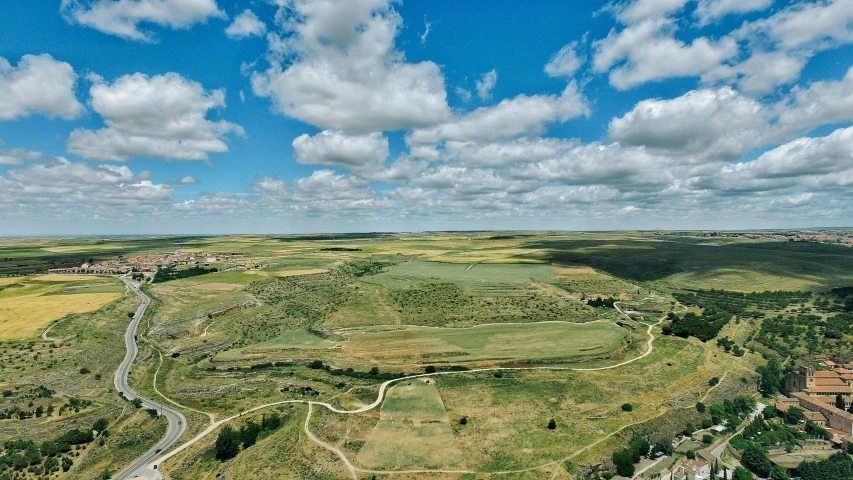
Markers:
123,17
702,125
761,73
39,84
62,189
17,156
161,117
247,24
638,10
708,11
565,62
647,51
486,83
427,27
806,25
187,180
336,67
820,103
337,150
463,93
519,116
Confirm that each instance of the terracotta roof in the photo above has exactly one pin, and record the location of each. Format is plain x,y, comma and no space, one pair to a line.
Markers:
830,382
825,374
814,416
830,389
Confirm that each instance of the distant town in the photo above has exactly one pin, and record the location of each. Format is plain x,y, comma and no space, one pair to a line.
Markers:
149,264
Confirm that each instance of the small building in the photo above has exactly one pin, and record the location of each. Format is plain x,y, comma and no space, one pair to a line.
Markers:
697,469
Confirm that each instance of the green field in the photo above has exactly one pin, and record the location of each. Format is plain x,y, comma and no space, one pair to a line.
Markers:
479,277
552,341
413,430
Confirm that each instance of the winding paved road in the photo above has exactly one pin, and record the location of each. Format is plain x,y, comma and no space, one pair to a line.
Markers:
177,421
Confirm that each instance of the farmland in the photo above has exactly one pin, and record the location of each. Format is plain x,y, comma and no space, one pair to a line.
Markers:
329,318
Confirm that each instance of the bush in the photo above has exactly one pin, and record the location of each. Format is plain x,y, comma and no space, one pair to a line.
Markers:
700,407
85,371
713,381
152,412
176,354
227,444
707,439
316,365
463,421
429,369
374,371
552,424
136,402
624,461
499,374
627,407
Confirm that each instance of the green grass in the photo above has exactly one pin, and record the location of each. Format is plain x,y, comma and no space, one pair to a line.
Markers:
479,278
552,341
413,430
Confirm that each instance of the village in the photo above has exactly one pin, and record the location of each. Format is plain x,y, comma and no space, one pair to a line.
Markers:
148,264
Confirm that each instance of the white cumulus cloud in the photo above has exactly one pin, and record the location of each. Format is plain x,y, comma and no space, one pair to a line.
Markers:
335,149
124,17
247,24
163,116
40,84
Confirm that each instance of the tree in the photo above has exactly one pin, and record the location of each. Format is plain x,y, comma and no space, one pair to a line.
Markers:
771,377
639,447
100,425
839,402
136,402
249,434
755,459
152,412
741,473
794,415
552,424
227,444
627,407
700,407
707,439
624,461
429,369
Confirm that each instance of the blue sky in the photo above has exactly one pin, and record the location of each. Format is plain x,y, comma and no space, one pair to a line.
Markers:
204,116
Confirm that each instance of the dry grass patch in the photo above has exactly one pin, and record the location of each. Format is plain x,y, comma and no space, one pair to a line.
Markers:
413,430
566,271
217,287
63,278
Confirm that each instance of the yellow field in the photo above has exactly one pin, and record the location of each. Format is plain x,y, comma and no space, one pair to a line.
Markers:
287,273
64,278
25,317
10,280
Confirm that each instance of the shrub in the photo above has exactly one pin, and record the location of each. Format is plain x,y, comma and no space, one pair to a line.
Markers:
429,369
463,421
316,365
713,381
707,439
627,407
624,461
85,371
552,424
499,374
700,407
374,371
176,354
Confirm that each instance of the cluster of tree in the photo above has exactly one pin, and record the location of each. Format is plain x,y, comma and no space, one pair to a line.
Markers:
48,457
170,273
361,268
625,458
742,304
838,466
600,302
704,327
771,377
730,346
230,441
38,411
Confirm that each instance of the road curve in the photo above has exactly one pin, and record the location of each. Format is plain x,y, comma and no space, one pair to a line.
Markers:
177,422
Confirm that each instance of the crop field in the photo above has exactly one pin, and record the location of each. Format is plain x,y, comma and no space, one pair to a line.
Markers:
29,305
413,430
